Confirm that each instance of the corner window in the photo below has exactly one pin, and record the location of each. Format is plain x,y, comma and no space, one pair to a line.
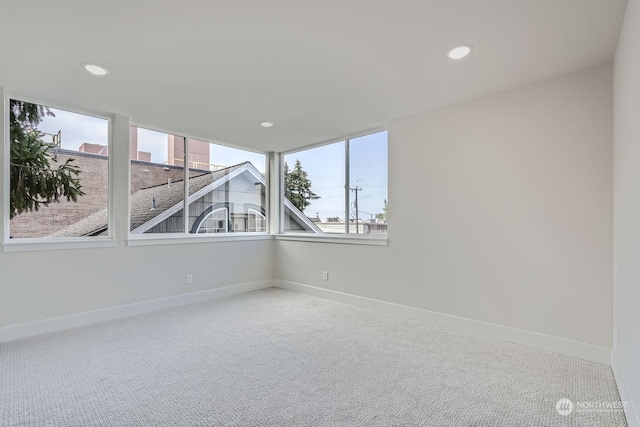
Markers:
58,173
221,184
338,188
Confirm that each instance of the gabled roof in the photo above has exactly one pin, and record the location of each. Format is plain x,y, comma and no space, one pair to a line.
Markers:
92,225
169,200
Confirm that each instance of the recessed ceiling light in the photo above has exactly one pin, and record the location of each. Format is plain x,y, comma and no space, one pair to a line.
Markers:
266,124
96,70
459,52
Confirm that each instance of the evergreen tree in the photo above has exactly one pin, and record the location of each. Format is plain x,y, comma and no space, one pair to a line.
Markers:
33,180
382,216
297,187
287,182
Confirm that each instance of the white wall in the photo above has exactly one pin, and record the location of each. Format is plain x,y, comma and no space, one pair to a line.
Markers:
500,210
41,285
627,206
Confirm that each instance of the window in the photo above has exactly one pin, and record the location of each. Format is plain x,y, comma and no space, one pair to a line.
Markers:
368,184
257,221
314,182
339,188
223,184
229,176
59,173
216,221
157,182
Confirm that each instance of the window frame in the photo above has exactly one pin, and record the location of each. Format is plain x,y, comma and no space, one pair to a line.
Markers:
212,213
153,239
344,238
40,243
259,217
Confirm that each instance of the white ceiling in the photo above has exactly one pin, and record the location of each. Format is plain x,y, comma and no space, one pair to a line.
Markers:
318,69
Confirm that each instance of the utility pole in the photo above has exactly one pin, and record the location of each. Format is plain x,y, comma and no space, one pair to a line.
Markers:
356,189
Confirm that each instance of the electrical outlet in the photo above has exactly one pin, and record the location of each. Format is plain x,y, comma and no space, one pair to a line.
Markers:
325,275
188,279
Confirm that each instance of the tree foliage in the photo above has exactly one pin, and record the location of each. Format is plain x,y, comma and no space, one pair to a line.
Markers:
382,216
297,186
35,177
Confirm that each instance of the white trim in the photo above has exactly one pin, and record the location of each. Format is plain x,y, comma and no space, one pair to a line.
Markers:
338,238
276,218
186,171
297,212
121,188
270,202
183,238
577,349
632,418
25,245
347,188
24,330
4,166
111,172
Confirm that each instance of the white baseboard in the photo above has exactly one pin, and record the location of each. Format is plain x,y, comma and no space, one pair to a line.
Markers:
629,410
24,330
577,349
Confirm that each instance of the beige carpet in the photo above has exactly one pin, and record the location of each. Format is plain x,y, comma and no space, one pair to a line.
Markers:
279,358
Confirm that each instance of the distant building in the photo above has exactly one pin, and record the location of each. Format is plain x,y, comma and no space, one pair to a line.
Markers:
336,225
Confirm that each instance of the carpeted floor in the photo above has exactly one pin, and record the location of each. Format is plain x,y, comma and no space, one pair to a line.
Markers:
279,358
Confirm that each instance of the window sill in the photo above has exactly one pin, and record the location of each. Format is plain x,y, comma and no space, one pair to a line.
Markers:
181,238
27,245
347,240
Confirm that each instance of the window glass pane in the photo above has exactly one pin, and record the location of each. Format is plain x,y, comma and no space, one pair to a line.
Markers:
216,221
314,190
59,183
157,182
226,185
368,184
257,221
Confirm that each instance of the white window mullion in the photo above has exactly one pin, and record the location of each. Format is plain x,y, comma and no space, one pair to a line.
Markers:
120,183
346,186
4,166
275,184
185,161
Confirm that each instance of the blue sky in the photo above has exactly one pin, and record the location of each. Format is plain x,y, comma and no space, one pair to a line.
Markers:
325,168
324,165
